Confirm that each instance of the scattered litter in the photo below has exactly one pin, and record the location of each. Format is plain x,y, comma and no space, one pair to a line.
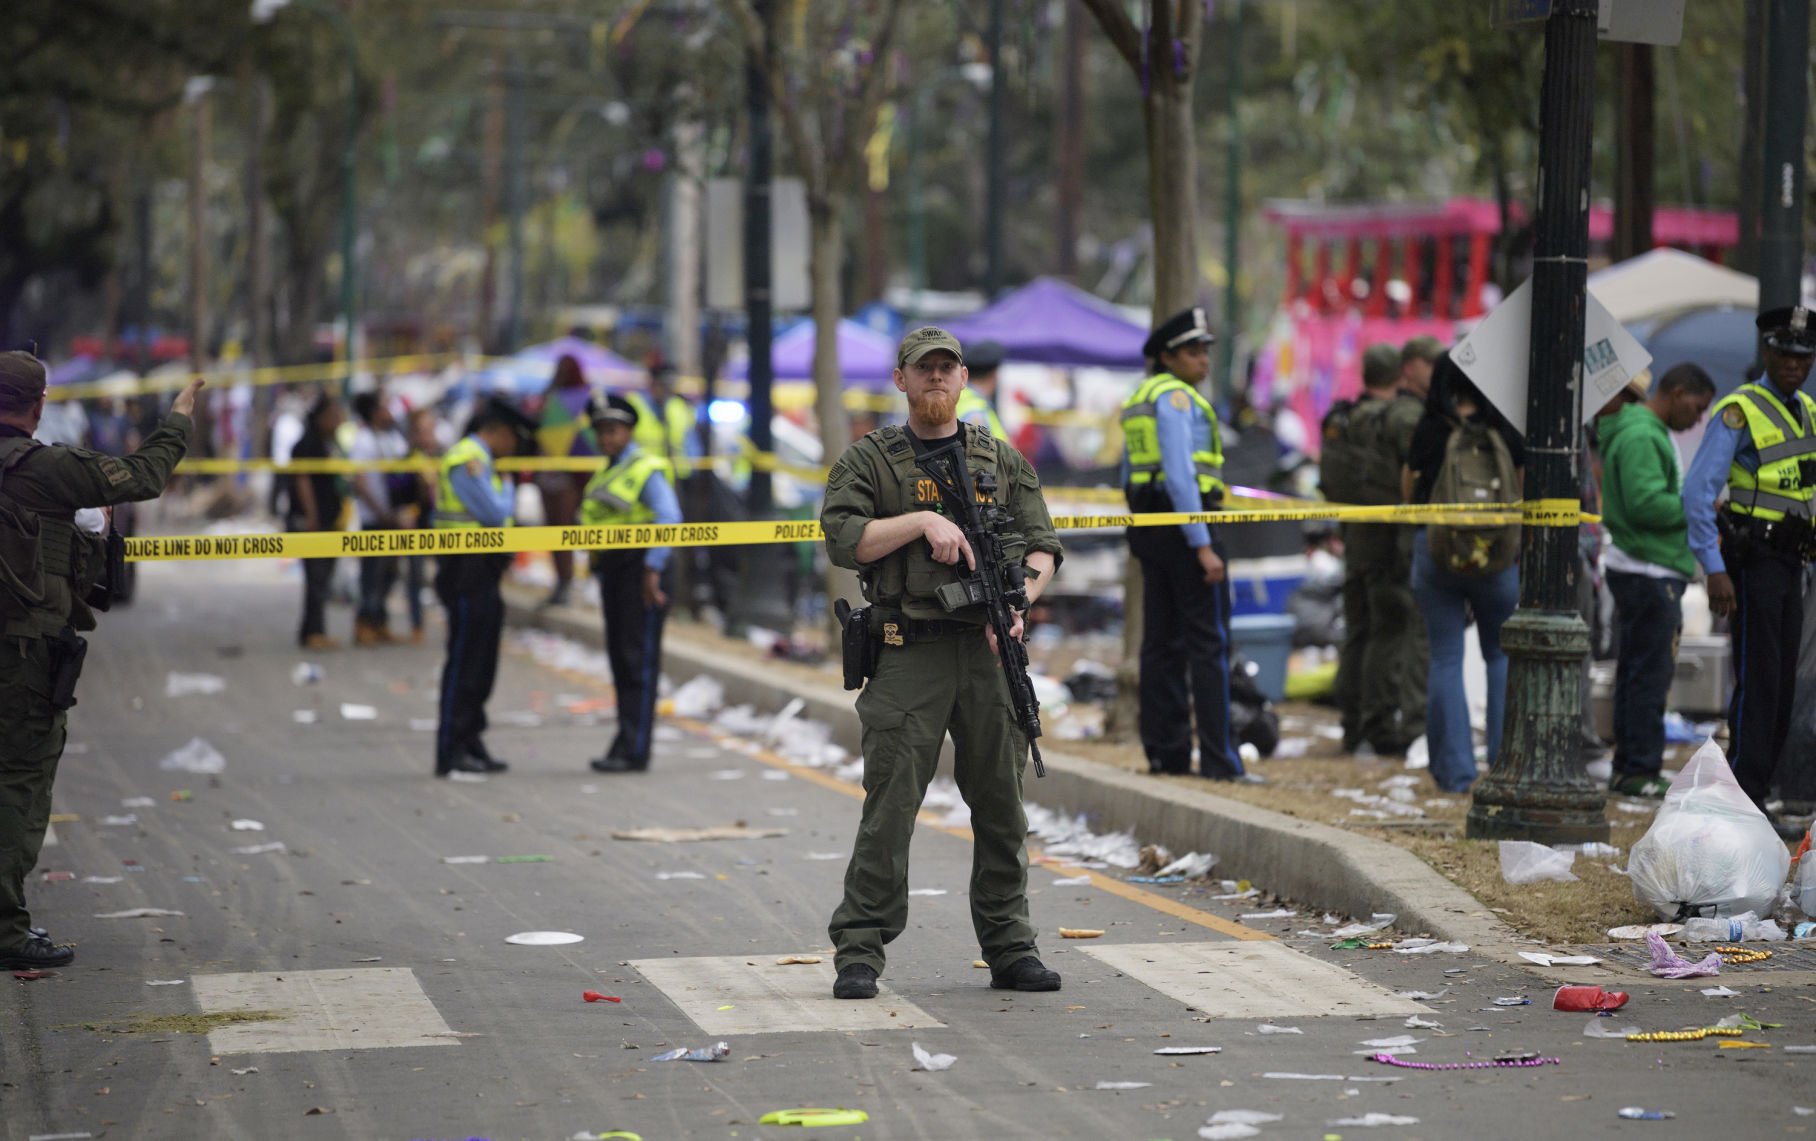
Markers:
680,875
304,716
698,698
1422,995
1547,960
137,913
1270,1028
59,1136
246,826
928,891
244,1072
1370,1120
595,996
814,1117
1639,1113
691,835
715,1053
1231,1131
1182,1050
1398,1042
1516,1000
182,796
824,856
370,959
1710,850
305,673
198,756
103,879
932,1063
524,860
1247,894
352,712
1080,933
1282,913
1417,1023
125,821
1719,992
1243,1117
1598,1028
191,685
798,961
1193,866
1428,947
260,849
1161,880
1587,998
466,859
138,802
1122,1085
1524,862
1355,929
1072,881
1071,836
543,938
1668,964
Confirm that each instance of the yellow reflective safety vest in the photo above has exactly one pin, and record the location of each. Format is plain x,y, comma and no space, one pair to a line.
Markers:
1778,489
970,403
450,512
663,435
614,496
1141,434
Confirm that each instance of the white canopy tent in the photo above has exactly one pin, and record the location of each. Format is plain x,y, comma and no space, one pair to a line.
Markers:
1665,282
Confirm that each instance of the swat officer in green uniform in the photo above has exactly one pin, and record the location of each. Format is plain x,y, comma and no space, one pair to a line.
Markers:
1381,668
935,671
47,568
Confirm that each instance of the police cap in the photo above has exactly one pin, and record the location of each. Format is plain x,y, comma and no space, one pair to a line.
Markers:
611,409
1789,330
1186,327
924,340
984,357
22,381
498,410
1380,365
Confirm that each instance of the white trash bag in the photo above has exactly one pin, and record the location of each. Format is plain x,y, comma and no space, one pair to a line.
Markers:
1803,891
1709,851
1523,862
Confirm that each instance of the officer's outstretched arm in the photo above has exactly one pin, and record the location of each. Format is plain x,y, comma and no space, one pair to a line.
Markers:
79,478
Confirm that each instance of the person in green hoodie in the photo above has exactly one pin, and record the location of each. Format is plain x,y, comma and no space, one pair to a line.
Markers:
1649,563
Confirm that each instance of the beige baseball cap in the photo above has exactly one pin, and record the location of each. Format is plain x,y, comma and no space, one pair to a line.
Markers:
924,340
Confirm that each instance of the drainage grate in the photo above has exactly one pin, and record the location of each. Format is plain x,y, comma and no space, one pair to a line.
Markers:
1785,956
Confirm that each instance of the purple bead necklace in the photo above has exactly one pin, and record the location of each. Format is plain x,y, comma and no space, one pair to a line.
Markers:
1497,1064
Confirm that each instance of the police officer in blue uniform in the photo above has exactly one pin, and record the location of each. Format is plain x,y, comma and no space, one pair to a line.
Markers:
1173,461
634,488
1759,455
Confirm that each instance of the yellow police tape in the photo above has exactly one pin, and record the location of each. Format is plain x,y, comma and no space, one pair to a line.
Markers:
235,378
519,540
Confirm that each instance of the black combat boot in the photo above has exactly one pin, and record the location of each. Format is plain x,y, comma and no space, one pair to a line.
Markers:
857,980
1027,973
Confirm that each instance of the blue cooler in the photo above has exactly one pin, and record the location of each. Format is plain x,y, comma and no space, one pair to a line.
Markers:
1266,640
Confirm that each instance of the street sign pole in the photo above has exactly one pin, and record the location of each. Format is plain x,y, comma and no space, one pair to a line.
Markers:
1539,790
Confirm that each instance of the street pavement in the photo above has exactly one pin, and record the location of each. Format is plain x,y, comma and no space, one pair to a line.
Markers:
398,1010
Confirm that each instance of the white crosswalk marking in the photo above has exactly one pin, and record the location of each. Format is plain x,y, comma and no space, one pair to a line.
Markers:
738,994
1251,980
50,835
365,1009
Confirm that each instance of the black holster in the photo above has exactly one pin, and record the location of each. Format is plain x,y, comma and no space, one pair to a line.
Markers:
68,650
858,647
113,572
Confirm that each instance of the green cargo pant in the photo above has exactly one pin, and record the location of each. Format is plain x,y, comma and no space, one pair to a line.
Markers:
31,742
948,681
1382,666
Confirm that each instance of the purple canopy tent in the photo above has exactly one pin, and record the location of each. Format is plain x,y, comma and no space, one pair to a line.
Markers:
1049,321
866,357
530,370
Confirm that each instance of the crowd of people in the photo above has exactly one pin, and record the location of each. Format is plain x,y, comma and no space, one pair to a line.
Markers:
1422,432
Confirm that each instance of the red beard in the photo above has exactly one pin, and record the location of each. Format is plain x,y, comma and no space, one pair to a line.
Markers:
933,407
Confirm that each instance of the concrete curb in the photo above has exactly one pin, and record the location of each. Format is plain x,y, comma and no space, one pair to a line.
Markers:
1315,864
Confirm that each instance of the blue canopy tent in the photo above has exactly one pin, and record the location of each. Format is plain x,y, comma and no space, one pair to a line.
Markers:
529,371
1049,321
1720,340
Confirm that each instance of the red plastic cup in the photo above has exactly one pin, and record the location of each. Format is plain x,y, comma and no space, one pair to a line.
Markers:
1587,998
595,996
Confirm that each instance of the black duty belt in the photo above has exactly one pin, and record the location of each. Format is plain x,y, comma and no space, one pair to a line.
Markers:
1788,536
895,628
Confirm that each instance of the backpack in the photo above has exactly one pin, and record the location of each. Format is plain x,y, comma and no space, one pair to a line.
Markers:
1477,468
1357,464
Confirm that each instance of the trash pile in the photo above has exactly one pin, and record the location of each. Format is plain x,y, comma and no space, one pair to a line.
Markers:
1710,852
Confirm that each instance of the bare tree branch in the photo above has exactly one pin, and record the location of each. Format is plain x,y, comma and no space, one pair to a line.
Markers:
1121,30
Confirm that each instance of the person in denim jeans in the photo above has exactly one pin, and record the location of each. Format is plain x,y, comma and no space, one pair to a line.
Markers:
1446,600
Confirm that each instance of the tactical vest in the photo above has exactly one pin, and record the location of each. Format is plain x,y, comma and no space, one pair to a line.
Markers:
663,435
906,578
615,494
1779,488
1141,435
1358,464
47,565
970,403
450,512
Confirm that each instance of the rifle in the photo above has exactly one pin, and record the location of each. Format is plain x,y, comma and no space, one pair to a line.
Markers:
999,589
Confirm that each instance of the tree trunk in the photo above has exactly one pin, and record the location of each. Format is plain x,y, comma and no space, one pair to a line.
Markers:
1173,199
1635,193
825,257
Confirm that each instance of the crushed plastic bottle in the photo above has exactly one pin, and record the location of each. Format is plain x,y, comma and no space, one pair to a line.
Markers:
717,1052
1639,1113
1745,927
